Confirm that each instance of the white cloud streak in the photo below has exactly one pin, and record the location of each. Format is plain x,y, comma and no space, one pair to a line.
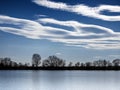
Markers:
27,28
58,53
40,15
74,24
94,12
80,36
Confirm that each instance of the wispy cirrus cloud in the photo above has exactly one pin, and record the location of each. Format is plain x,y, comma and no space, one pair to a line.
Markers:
94,12
75,25
81,35
27,28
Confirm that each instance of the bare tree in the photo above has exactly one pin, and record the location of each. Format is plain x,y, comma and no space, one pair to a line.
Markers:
70,64
88,64
77,64
116,62
36,60
53,61
82,64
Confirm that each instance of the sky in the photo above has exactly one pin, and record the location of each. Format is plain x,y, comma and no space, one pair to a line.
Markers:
74,30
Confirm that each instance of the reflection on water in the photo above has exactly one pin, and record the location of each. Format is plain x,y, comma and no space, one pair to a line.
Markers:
59,80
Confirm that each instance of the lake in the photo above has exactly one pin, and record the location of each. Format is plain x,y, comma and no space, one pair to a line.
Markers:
59,80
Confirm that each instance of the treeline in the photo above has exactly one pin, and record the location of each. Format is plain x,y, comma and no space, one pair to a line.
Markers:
56,63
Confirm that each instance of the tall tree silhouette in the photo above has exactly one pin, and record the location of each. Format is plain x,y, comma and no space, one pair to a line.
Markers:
77,64
70,64
36,60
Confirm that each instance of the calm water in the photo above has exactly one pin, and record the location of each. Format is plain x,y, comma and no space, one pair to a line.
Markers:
59,80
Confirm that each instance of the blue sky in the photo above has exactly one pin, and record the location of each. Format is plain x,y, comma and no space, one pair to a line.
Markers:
75,30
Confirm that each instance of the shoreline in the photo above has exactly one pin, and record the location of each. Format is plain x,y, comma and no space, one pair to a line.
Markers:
63,68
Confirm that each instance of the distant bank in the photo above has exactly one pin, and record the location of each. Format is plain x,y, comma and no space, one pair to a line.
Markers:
56,63
61,68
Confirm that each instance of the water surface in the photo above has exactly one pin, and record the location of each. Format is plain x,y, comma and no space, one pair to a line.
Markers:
59,80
